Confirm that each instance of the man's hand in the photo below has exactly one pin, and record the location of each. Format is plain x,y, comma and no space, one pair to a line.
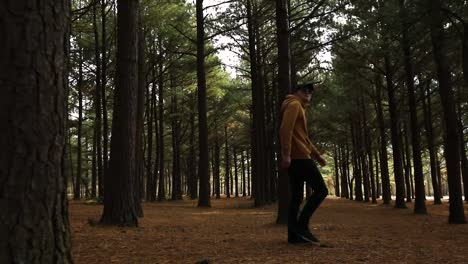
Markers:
286,161
321,161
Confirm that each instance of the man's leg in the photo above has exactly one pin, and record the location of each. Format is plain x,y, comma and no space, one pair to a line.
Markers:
320,191
296,184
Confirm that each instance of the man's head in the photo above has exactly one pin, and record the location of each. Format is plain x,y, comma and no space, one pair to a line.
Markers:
304,91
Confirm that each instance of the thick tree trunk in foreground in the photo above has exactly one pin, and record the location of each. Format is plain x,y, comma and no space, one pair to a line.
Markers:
33,114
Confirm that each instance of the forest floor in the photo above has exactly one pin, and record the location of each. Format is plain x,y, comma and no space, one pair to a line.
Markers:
232,231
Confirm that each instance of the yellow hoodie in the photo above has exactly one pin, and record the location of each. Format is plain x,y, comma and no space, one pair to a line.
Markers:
293,131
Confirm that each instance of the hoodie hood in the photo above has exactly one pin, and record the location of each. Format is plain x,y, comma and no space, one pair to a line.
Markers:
289,99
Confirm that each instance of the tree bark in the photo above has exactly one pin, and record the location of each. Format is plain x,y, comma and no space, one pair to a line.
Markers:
386,195
337,175
161,154
395,136
77,187
105,123
119,197
203,161
139,121
430,142
420,196
284,86
217,176
405,153
34,51
451,137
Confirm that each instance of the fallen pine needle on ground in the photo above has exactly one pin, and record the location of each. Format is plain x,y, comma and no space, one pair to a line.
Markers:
233,231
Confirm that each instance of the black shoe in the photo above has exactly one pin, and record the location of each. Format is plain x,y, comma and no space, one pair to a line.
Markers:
307,235
295,239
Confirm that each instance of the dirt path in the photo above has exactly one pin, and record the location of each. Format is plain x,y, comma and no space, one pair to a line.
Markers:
234,232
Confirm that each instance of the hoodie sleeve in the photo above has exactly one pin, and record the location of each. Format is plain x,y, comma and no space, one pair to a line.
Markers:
287,126
314,151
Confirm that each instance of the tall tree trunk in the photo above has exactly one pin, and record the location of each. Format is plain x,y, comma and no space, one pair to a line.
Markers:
119,198
407,162
395,136
451,137
356,163
430,139
203,166
176,177
244,194
362,130
284,86
463,156
236,178
33,114
105,123
97,103
337,175
386,195
77,187
420,196
377,173
248,174
192,161
150,176
161,183
344,178
227,168
217,163
94,180
139,122
368,152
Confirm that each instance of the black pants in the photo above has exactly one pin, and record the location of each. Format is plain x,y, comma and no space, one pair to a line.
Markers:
300,171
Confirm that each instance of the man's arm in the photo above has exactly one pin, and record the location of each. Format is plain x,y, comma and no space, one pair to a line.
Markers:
316,155
286,130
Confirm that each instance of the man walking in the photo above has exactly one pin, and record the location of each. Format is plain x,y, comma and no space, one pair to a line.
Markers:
297,153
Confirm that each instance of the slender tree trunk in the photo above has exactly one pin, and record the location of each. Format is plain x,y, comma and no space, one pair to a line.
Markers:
161,184
227,168
344,178
377,173
79,85
356,163
386,195
33,113
368,152
176,175
407,163
203,166
420,205
192,162
284,86
337,175
97,103
451,137
94,179
150,176
362,150
244,194
431,146
105,122
119,198
236,178
139,142
463,156
217,163
395,136
248,175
